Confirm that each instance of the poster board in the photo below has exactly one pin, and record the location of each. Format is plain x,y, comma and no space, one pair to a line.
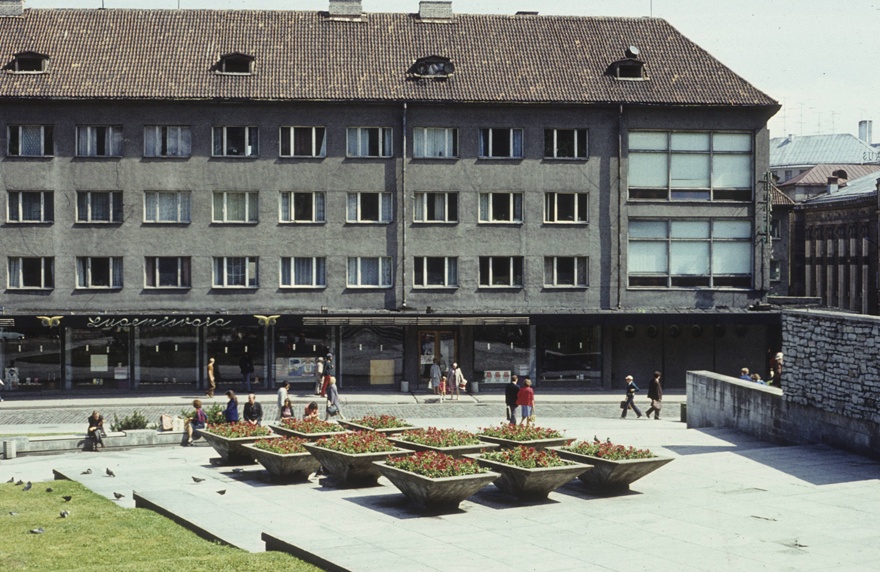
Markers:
295,369
496,376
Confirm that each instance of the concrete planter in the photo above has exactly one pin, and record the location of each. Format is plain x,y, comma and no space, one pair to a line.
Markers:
294,467
531,483
232,451
443,493
390,431
536,443
611,476
281,430
352,469
454,451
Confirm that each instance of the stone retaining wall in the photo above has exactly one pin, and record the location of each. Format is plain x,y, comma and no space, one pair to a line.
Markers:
17,446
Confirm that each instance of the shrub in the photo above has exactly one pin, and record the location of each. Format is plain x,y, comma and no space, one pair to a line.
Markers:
526,457
134,421
357,442
520,432
381,422
433,437
434,464
608,450
214,412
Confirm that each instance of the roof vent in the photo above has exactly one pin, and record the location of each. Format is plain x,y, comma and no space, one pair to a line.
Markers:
632,52
832,185
346,9
11,8
435,10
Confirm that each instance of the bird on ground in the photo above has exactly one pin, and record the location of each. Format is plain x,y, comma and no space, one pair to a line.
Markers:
238,470
197,480
28,486
67,498
49,489
19,483
11,480
221,492
118,495
86,472
110,473
13,513
37,530
65,513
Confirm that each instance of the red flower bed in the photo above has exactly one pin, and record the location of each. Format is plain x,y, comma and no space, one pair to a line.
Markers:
526,457
282,445
520,432
310,425
238,430
434,464
357,442
433,437
381,422
608,450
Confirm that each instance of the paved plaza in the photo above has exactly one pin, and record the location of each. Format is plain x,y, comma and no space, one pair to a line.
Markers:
727,502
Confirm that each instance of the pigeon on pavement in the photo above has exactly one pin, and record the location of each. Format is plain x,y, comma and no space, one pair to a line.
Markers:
67,498
221,492
87,472
28,486
238,470
37,530
197,480
118,495
110,473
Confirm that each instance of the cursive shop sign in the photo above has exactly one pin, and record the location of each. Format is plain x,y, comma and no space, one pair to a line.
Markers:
154,322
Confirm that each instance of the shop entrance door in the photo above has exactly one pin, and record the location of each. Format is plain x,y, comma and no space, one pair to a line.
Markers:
437,344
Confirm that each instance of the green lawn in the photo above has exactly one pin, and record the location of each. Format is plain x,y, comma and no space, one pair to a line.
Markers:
99,535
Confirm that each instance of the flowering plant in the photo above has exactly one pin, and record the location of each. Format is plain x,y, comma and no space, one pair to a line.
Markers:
520,432
381,422
238,430
433,437
608,450
282,445
526,457
434,464
357,442
311,425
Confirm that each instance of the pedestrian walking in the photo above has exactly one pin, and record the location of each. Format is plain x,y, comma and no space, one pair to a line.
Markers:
631,390
212,381
655,394
333,408
246,366
510,395
319,375
282,397
434,382
442,388
329,371
525,398
455,382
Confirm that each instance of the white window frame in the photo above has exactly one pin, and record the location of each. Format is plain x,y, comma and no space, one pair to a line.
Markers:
184,273
354,208
421,207
487,214
581,265
420,271
47,140
116,213
581,203
161,136
15,207
516,139
222,278
316,276
30,56
579,134
488,280
287,135
423,138
252,207
354,271
15,276
356,147
287,207
183,200
84,279
87,144
220,141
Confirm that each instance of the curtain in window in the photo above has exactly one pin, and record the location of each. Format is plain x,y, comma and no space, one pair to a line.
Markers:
31,206
581,271
14,272
319,206
517,143
439,206
385,265
452,271
150,272
387,207
219,271
116,266
185,268
286,213
236,207
352,211
369,271
302,272
151,206
286,279
153,141
82,206
184,199
320,272
100,206
83,141
517,207
235,271
31,140
168,207
82,271
353,271
484,206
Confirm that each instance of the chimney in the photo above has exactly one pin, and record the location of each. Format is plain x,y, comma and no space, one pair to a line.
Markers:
865,130
11,8
345,8
832,185
435,10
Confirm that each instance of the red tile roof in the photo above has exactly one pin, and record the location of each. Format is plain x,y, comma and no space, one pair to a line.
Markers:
169,54
819,174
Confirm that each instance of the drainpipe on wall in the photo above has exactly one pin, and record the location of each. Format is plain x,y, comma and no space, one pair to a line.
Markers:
403,221
620,236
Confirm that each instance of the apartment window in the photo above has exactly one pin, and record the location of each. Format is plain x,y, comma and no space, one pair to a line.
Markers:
98,272
31,206
302,207
235,272
99,140
435,142
235,142
167,272
565,207
435,207
167,141
99,206
565,144
369,207
167,206
690,253
690,166
369,142
303,142
501,143
31,273
501,271
365,271
235,207
565,271
30,141
501,207
303,272
435,272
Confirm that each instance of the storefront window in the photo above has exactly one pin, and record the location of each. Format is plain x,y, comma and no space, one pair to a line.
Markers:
227,345
570,354
371,355
296,351
98,358
166,356
35,357
500,351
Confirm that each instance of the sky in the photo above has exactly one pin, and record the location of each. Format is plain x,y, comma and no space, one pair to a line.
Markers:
820,59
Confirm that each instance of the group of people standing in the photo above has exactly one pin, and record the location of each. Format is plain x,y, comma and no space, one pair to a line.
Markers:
522,398
453,382
655,394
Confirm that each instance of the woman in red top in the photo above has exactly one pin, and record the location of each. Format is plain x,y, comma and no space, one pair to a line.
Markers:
526,401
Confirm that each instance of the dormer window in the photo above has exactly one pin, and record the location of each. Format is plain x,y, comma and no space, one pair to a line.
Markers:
236,64
630,67
29,62
434,67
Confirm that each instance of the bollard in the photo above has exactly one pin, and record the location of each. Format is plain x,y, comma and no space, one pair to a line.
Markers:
684,412
9,449
404,387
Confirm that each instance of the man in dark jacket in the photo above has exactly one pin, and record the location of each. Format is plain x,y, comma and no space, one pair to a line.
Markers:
655,394
253,411
246,365
510,393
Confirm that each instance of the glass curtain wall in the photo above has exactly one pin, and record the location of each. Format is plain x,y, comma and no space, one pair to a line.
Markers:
98,358
227,345
296,351
166,357
570,355
34,355
371,355
500,351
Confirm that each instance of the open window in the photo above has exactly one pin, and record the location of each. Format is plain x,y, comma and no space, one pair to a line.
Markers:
432,67
29,62
235,63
